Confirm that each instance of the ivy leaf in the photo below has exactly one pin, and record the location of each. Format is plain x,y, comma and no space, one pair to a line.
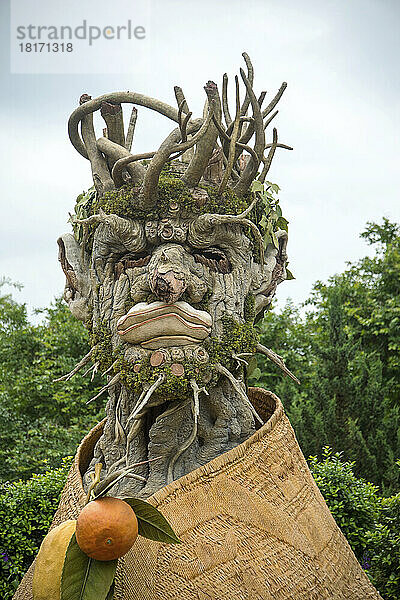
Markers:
257,186
268,197
278,210
289,275
256,374
265,202
267,240
274,240
84,578
263,221
152,524
251,366
282,223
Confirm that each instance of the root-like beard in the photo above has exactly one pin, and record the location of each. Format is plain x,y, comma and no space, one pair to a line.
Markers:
162,430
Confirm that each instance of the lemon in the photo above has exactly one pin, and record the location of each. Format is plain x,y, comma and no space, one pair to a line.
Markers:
50,561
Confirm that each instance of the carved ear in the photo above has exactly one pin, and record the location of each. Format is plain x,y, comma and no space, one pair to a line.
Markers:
77,289
267,280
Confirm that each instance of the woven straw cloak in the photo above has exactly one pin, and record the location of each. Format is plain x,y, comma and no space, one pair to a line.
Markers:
253,523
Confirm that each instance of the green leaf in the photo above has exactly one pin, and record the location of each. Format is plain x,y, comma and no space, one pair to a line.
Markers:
282,223
257,186
278,210
84,578
274,240
152,524
251,366
263,221
267,240
268,197
289,274
256,374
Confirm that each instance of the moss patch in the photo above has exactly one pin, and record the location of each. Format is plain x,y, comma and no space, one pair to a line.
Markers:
173,387
123,201
236,338
171,189
249,308
100,339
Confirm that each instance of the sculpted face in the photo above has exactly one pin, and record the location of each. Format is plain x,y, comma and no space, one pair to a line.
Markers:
169,264
162,287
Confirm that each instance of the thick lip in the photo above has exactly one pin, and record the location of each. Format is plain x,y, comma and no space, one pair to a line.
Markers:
142,312
158,323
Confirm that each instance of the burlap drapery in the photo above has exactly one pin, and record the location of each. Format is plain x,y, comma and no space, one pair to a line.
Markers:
253,523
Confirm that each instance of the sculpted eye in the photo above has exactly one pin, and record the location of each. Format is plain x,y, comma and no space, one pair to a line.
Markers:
213,258
130,261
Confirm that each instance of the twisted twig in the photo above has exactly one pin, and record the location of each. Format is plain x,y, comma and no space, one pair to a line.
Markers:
268,160
131,129
112,479
109,385
145,397
84,361
192,436
235,383
278,360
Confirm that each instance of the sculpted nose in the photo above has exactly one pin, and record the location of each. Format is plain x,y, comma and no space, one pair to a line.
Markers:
168,277
168,286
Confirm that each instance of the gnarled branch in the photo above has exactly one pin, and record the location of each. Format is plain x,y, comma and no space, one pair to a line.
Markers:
114,152
114,118
116,97
278,360
131,129
205,146
100,172
251,168
123,162
168,147
232,142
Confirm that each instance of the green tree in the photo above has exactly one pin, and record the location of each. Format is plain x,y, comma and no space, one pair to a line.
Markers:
41,421
346,351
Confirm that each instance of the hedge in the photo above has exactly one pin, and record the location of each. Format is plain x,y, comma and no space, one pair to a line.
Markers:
370,523
26,511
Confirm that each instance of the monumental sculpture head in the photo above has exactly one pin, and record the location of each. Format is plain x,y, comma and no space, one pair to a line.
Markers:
174,254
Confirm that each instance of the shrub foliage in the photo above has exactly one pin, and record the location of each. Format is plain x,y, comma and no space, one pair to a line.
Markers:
26,511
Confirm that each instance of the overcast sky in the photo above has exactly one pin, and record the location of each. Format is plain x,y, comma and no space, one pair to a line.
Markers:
340,112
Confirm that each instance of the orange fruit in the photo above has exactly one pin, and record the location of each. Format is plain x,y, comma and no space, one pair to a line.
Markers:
106,528
50,562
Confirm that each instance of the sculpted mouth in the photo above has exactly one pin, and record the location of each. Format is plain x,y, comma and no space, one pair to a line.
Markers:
158,325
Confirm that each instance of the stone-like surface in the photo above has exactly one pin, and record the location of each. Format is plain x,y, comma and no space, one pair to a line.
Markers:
114,286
